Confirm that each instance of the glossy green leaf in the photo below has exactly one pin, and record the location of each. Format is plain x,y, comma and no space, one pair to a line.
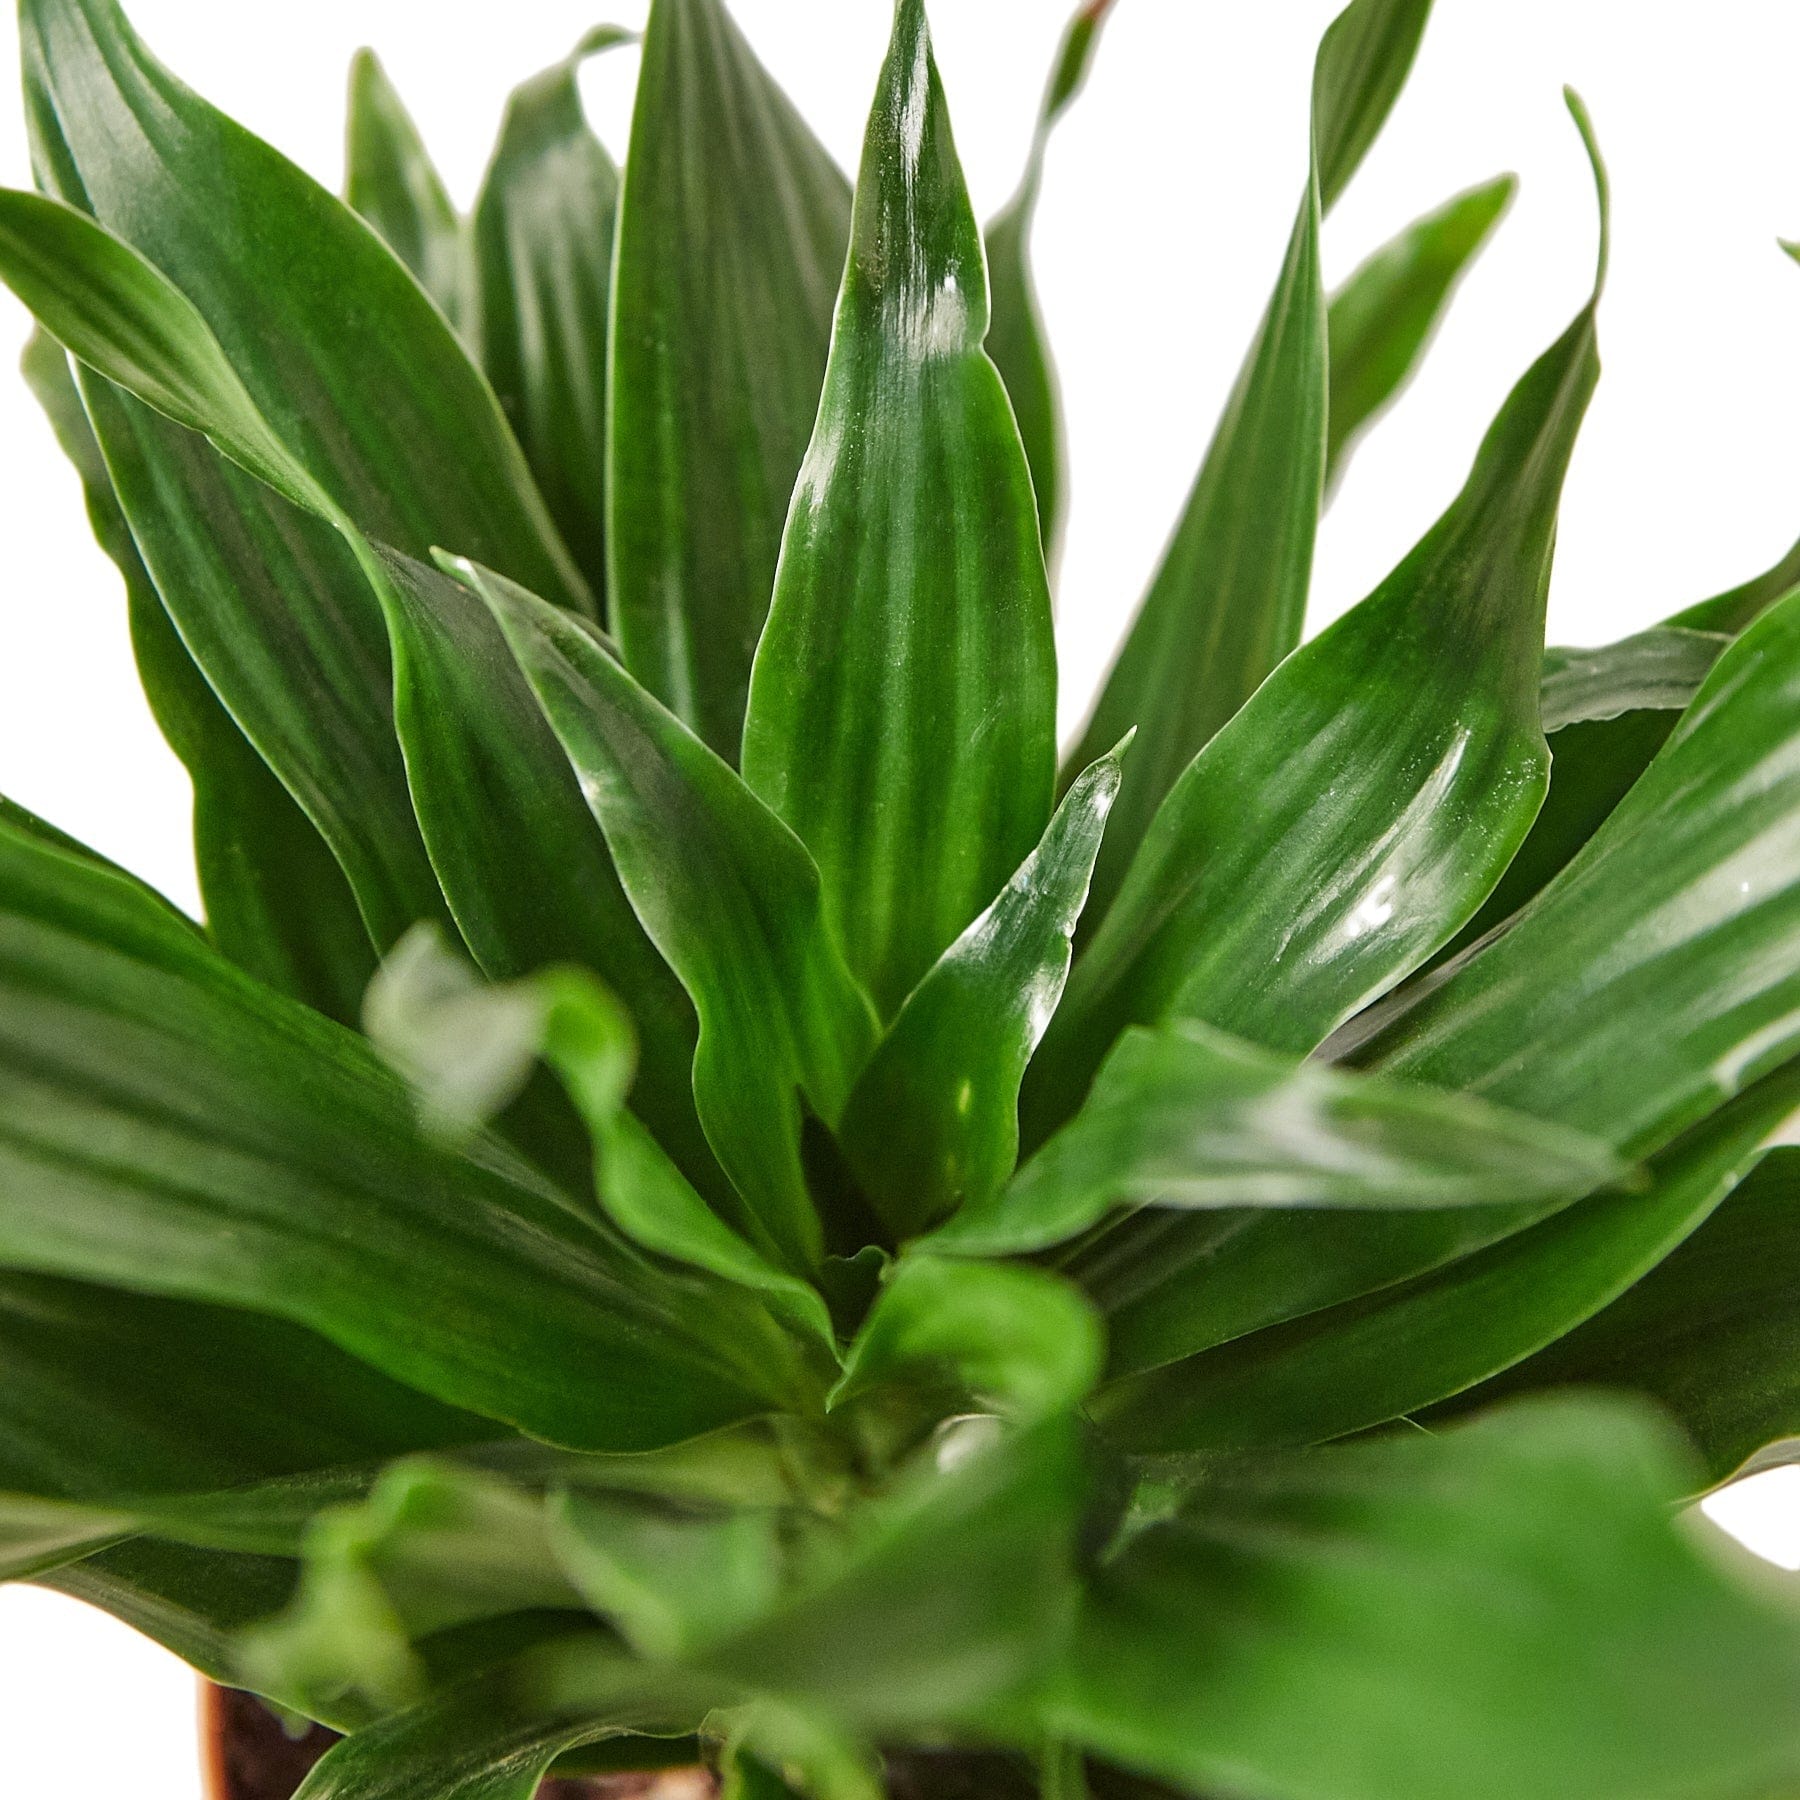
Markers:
1737,607
1359,809
353,367
1185,1116
1014,1341
672,1582
108,1395
468,1048
520,858
276,902
1504,1610
390,179
732,900
1381,319
1654,977
543,245
1349,1367
1659,670
1227,603
1015,337
902,712
173,1127
430,1548
1709,1334
933,1121
732,229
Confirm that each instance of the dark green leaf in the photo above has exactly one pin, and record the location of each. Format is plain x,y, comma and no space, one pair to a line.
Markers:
1741,605
1359,809
732,229
1227,603
1710,1334
1015,338
173,1127
519,856
467,1048
276,902
902,710
1013,1341
1353,1366
1185,1116
1505,1610
1382,318
355,369
543,242
730,897
933,1121
390,179
106,1394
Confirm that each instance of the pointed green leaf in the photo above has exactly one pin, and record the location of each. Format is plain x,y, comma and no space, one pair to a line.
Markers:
1709,1334
276,902
520,858
903,706
1357,1365
1654,977
732,228
1014,1341
341,350
467,1049
933,1121
1507,1609
1381,319
390,179
1361,807
1015,338
173,1126
732,900
1740,606
1185,1116
543,244
1227,603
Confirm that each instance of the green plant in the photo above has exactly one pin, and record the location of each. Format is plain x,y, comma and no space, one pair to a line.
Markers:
585,1260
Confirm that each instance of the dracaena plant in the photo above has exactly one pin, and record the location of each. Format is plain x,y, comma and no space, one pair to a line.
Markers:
693,1199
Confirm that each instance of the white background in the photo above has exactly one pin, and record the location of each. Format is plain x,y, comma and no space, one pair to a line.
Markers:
1170,193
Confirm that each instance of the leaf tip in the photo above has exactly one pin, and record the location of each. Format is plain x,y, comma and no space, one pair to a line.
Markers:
1602,184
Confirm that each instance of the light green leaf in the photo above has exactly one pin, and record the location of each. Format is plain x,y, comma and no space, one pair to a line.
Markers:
430,1547
730,897
276,902
902,710
1227,603
344,355
1360,808
1185,1116
672,1582
1381,319
732,229
1015,1341
390,179
933,1121
172,1126
468,1048
1353,1366
1015,338
1737,607
1507,1609
1659,670
543,245
1709,1334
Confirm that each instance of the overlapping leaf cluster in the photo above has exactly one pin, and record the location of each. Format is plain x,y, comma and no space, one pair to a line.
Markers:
693,1198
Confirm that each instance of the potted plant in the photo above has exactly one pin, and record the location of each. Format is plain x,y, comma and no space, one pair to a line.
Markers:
696,1204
